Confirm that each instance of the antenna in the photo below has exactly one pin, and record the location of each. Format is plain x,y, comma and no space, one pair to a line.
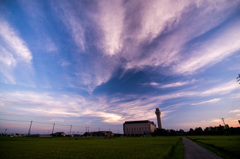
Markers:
223,122
30,128
53,128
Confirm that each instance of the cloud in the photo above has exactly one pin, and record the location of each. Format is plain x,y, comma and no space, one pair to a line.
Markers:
14,52
39,22
54,105
136,35
50,45
65,63
109,110
72,22
176,84
235,111
164,40
111,22
223,43
14,43
221,89
8,62
208,101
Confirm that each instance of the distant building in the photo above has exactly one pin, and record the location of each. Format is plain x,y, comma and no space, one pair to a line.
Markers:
99,134
59,134
138,127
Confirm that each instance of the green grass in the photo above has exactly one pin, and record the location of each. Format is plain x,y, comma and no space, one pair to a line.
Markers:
226,146
177,151
80,148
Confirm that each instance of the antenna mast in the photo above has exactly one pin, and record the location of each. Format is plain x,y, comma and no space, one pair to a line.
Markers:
223,122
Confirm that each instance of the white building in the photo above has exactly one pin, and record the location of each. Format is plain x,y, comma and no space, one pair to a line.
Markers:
138,127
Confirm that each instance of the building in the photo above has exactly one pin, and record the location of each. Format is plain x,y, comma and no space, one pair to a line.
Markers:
59,134
100,134
138,127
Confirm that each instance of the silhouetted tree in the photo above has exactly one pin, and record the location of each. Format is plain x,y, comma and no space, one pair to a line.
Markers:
198,131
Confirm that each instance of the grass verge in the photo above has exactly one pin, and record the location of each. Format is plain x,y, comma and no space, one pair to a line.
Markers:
224,146
177,151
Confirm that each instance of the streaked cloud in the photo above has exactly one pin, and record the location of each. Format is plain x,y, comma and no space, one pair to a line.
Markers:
38,20
71,21
222,44
208,101
222,88
111,22
177,84
14,52
235,111
14,43
65,63
111,111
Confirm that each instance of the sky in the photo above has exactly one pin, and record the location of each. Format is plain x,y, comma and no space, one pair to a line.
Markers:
99,63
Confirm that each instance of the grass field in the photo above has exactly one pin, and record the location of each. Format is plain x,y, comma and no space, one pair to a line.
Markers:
80,148
226,146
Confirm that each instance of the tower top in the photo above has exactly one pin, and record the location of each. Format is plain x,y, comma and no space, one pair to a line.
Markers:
157,112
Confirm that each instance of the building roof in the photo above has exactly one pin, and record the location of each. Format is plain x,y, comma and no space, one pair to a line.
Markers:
139,122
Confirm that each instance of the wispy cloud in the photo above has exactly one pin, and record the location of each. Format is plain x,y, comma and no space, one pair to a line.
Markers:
71,20
139,35
208,101
8,62
224,43
109,110
235,111
111,22
14,51
222,88
65,63
55,105
164,40
177,84
17,45
170,85
39,21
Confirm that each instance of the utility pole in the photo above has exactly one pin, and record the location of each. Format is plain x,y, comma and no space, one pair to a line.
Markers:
70,129
30,128
53,128
6,131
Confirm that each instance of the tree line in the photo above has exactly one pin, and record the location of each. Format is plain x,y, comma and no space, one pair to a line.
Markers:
217,130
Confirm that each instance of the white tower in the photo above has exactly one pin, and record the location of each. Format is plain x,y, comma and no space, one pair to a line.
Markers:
158,113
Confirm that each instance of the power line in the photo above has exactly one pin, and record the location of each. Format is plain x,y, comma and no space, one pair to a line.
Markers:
14,120
54,125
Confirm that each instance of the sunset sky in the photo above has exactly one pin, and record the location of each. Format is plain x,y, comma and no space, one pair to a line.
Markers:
99,63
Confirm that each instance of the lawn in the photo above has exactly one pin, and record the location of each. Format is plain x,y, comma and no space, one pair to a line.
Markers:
104,148
226,146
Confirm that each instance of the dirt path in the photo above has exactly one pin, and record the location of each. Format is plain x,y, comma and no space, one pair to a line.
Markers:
195,151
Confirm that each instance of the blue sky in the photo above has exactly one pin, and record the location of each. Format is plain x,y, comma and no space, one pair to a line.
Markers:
99,63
